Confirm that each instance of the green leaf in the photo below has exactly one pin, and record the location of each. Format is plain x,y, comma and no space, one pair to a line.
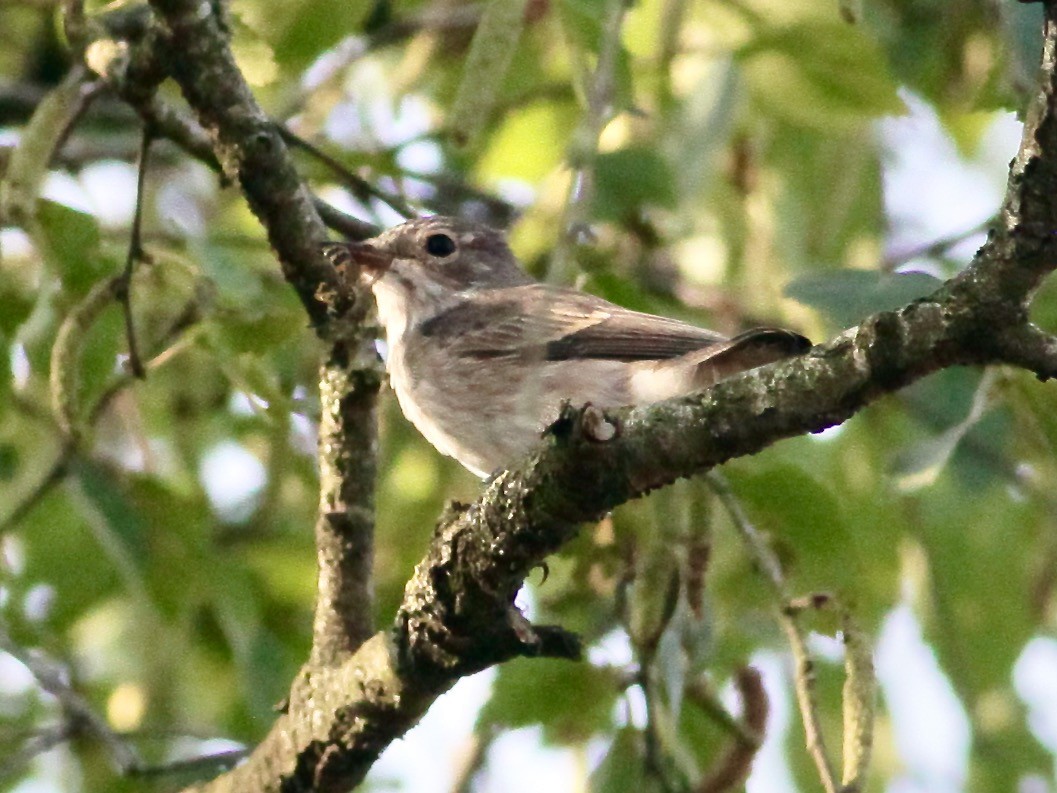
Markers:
491,53
8,461
623,769
27,166
978,543
931,53
918,466
63,553
103,342
541,128
804,517
628,179
819,74
126,525
1021,37
846,297
832,202
15,305
300,33
582,20
255,311
571,700
286,568
70,243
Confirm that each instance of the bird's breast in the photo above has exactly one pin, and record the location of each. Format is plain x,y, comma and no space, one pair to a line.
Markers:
488,412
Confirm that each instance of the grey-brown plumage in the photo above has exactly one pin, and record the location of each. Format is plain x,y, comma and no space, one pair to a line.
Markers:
481,356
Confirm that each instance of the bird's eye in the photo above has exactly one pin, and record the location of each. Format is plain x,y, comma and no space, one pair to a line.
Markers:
440,245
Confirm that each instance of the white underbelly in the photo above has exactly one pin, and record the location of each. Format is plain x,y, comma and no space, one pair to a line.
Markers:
486,417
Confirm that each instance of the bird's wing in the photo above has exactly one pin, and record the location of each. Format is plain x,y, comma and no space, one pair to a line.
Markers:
622,335
560,324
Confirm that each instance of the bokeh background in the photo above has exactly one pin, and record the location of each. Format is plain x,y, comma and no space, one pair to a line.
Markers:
797,162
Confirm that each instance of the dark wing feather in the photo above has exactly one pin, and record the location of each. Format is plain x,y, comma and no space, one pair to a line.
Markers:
556,324
630,336
753,348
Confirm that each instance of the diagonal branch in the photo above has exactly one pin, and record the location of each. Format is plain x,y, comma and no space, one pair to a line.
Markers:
457,615
250,150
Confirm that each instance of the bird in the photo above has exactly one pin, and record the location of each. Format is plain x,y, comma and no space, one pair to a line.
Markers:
482,357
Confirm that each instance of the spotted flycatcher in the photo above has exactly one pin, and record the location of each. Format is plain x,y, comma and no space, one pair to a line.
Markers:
481,356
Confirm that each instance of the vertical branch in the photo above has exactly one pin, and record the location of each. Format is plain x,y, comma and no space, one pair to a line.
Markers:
248,147
348,389
251,150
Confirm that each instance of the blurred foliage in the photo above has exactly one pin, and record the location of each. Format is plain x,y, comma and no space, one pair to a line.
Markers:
737,179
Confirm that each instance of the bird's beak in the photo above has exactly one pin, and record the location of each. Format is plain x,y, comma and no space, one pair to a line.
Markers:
362,255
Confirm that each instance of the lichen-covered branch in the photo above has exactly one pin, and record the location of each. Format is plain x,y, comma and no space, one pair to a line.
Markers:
250,150
457,615
189,43
345,523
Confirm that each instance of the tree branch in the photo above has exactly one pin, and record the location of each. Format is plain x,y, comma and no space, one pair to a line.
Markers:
344,616
457,615
251,151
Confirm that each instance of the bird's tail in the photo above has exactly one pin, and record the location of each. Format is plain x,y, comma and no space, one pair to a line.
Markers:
747,350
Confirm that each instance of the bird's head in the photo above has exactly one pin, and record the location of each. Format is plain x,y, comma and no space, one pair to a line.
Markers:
432,257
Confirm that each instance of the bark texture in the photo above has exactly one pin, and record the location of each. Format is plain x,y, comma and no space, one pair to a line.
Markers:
360,692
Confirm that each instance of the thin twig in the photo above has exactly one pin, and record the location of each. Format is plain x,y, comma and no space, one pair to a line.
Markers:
75,25
859,701
758,547
123,286
174,344
701,694
360,187
471,764
206,762
647,615
933,249
188,134
807,701
64,367
41,138
56,473
804,676
575,228
450,191
42,741
36,744
77,708
735,763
